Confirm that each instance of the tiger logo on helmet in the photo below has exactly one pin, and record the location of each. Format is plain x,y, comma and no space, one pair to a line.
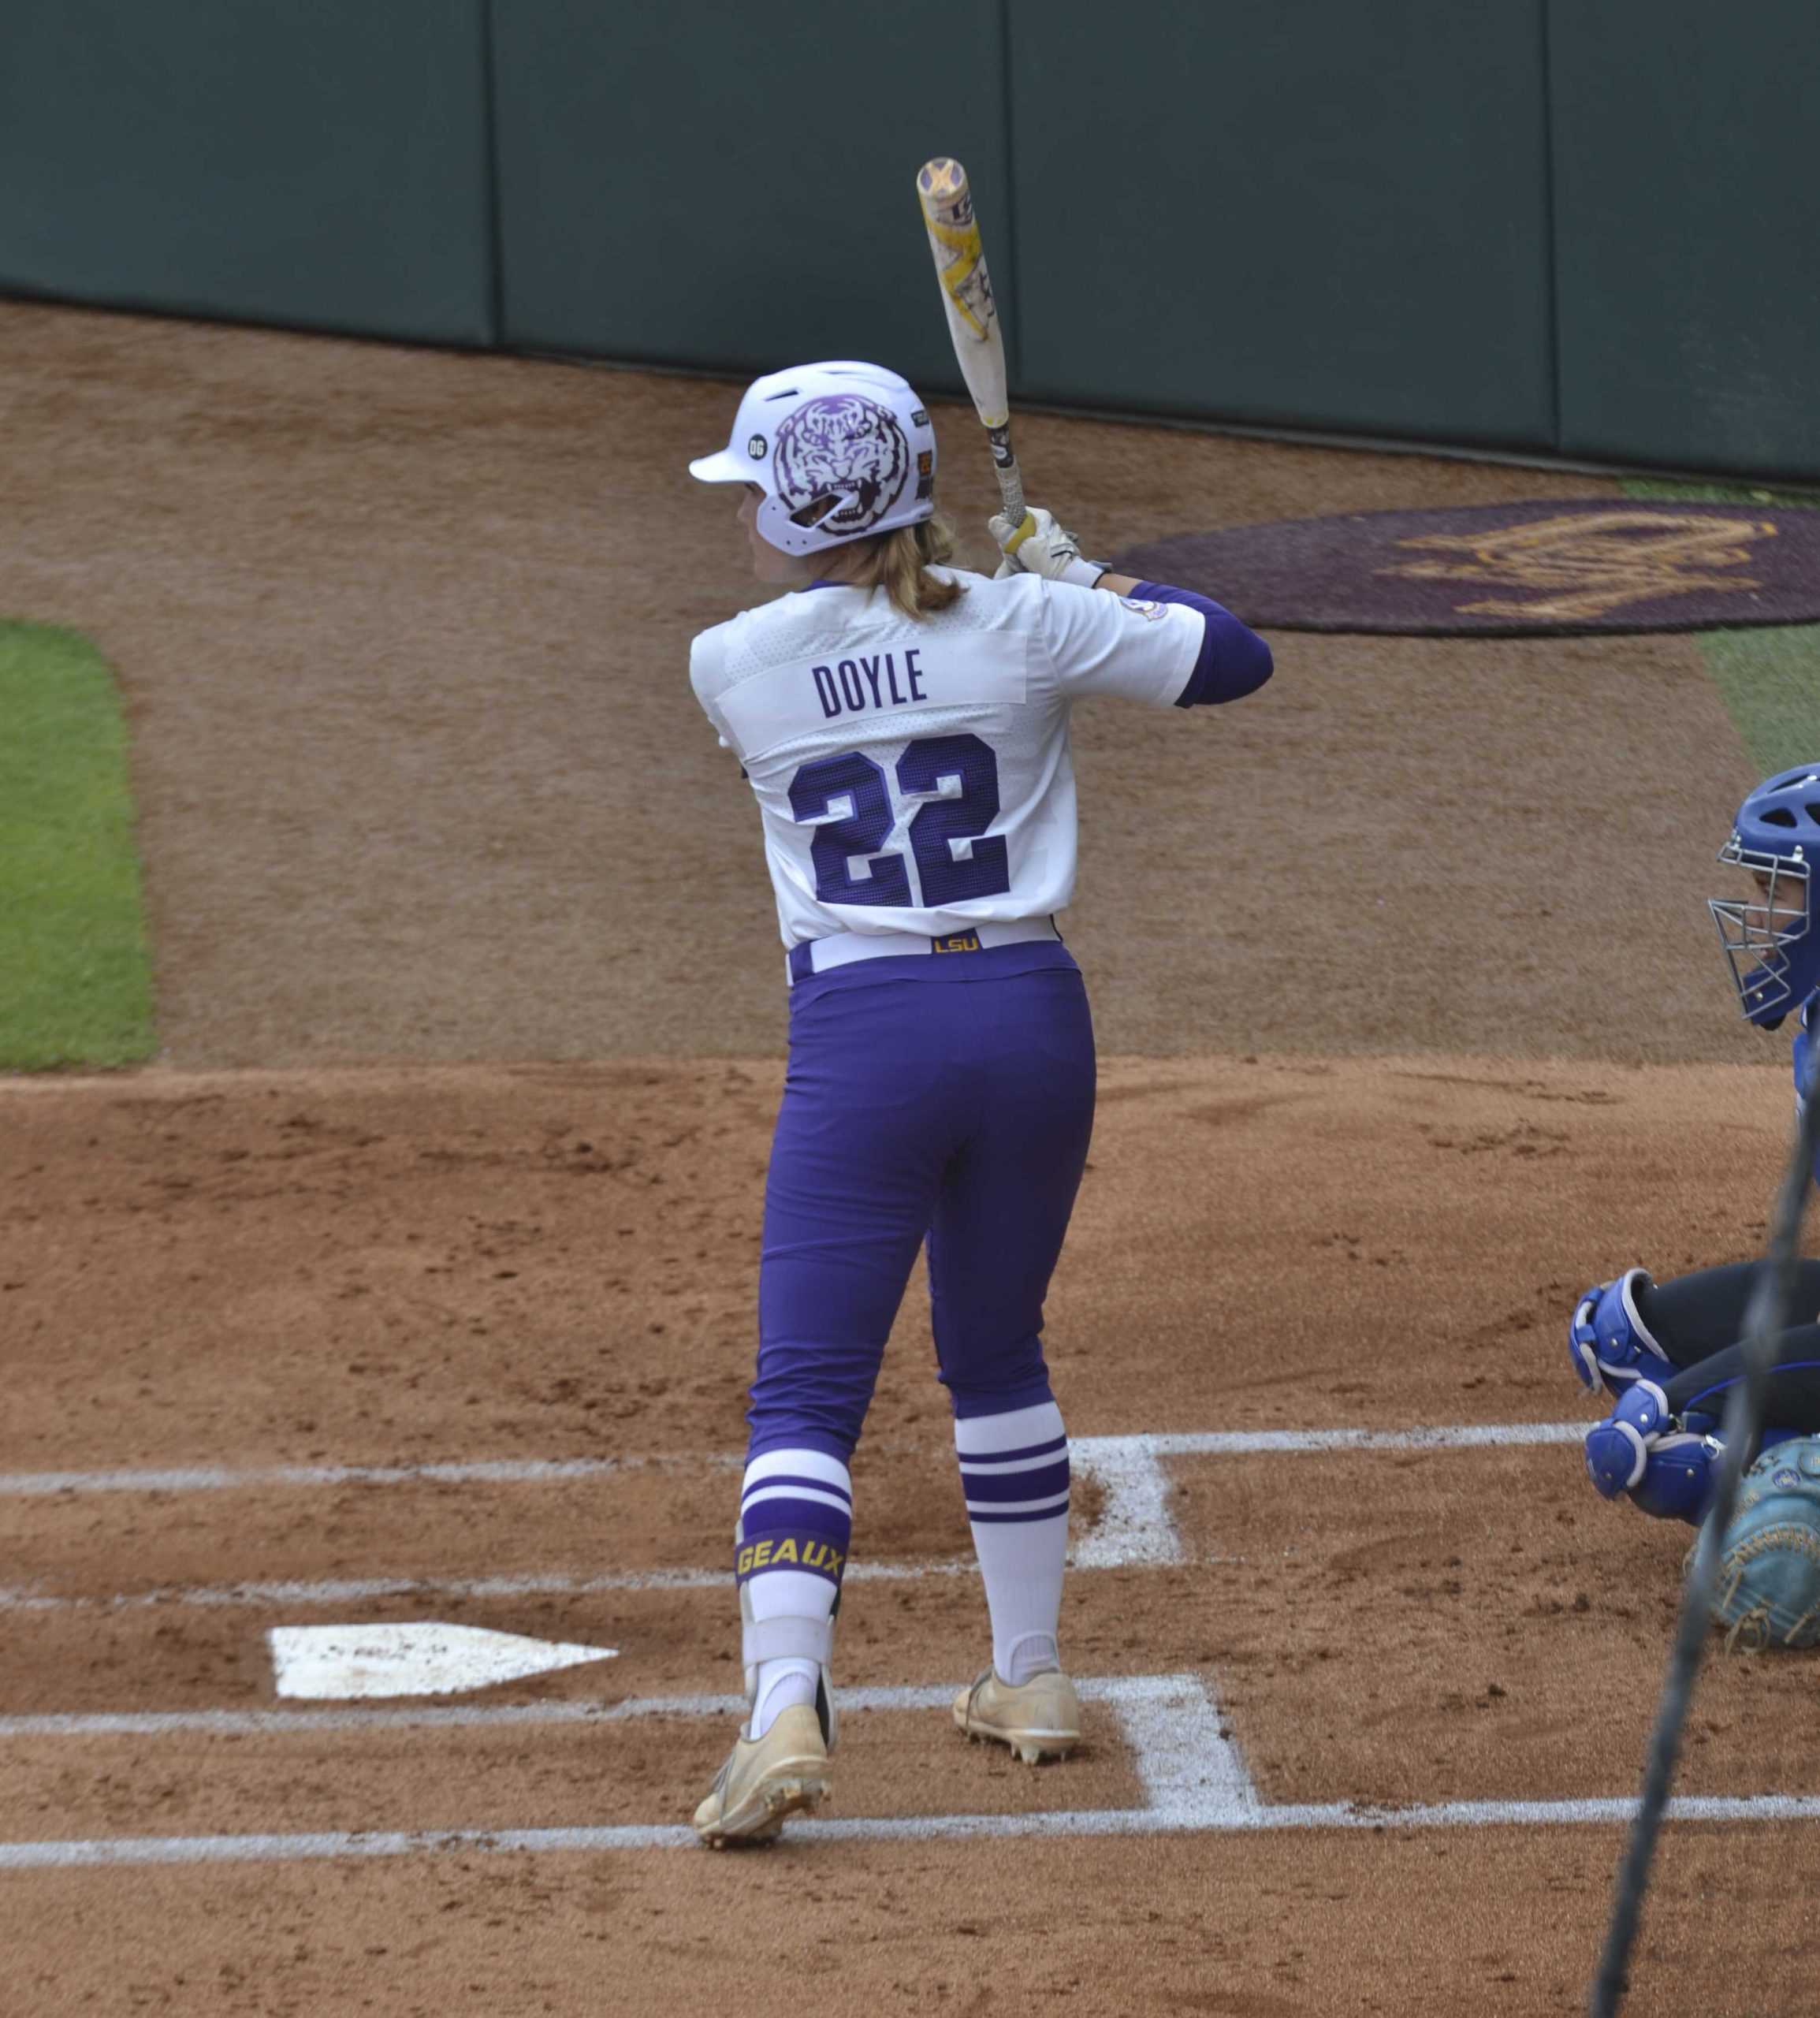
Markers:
841,449
846,448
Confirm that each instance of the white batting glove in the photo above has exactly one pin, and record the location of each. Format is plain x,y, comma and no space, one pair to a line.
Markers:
1042,546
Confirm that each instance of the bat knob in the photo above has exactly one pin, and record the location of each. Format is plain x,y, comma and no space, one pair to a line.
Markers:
942,180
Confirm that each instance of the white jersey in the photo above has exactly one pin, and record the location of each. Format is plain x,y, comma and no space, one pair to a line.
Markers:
913,775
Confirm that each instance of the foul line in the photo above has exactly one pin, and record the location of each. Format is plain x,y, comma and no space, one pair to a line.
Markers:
533,1471
1192,1778
220,1478
1135,1526
1086,1822
364,1590
260,1723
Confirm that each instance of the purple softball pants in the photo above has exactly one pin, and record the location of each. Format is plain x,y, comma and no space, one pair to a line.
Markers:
945,1097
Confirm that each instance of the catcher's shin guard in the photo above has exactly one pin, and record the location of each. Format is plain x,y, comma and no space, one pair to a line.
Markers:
1608,1340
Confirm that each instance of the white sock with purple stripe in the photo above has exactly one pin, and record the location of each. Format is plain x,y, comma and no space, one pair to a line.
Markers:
796,1526
1014,1471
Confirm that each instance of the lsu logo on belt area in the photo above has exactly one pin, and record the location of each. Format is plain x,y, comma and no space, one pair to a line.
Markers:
956,942
789,1552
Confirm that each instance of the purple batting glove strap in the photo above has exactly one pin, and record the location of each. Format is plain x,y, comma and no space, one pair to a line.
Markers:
1234,660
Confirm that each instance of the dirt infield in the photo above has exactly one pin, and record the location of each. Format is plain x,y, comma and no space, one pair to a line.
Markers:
416,1281
554,1263
405,640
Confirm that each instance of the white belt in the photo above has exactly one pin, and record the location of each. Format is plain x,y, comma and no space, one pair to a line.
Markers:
840,949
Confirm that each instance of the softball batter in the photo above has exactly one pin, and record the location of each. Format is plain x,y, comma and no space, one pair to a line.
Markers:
1669,1353
904,727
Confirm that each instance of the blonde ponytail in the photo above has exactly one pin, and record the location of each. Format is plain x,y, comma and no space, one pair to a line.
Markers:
898,562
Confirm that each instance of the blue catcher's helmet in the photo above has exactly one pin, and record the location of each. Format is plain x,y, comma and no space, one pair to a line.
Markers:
1768,938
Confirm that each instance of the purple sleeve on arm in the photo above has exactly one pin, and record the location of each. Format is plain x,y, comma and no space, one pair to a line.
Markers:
1234,660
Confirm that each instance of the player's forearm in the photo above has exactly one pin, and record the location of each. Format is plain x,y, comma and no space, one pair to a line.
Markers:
1234,660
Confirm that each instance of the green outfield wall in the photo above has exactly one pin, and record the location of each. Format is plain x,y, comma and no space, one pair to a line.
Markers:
1687,145
1581,227
734,186
318,163
1319,214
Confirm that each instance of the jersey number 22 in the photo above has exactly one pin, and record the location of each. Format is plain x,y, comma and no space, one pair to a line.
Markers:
956,776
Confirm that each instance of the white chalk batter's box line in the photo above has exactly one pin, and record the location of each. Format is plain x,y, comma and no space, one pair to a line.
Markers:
1192,1779
1135,1527
1086,1450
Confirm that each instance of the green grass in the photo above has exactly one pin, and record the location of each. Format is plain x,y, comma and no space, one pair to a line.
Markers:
1768,676
75,976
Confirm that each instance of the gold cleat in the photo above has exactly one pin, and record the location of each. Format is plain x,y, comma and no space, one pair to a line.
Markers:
1039,1719
766,1779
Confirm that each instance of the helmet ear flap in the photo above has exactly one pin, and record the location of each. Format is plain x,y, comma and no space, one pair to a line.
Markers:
824,506
800,531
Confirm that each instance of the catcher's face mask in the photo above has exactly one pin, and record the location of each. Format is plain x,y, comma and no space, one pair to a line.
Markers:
1767,935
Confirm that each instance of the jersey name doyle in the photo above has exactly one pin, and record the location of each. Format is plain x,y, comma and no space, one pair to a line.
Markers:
913,775
801,700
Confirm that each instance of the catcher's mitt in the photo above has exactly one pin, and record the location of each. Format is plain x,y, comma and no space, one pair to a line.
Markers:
1770,1561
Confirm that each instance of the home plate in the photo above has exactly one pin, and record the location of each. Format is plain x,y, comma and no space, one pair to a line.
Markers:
320,1662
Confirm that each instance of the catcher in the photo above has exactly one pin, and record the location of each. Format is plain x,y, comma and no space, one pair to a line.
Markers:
1668,1353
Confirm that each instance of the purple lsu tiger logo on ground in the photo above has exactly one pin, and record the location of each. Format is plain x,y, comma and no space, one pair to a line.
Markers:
842,442
1522,569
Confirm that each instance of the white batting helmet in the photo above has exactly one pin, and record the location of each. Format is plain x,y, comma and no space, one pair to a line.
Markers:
840,450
